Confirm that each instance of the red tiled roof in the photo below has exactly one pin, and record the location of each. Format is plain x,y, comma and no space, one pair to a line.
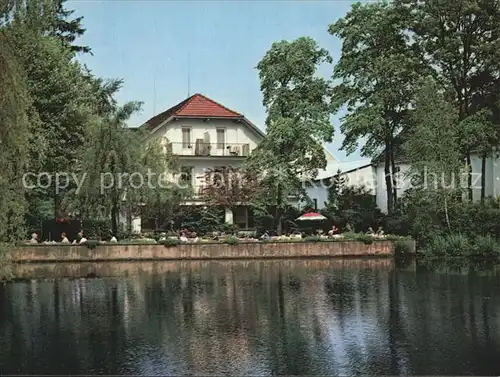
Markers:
196,106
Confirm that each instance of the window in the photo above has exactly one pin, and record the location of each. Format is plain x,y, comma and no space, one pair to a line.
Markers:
186,177
315,204
221,138
186,137
240,217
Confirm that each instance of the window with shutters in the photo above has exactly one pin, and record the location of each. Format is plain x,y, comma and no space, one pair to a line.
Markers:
221,138
186,137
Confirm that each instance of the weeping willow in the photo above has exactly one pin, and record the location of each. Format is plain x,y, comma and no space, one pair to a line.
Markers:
14,144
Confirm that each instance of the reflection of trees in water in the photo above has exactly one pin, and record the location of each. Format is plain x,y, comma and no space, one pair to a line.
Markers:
253,318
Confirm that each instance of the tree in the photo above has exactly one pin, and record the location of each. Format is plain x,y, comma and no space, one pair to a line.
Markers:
298,121
111,154
377,71
459,42
229,187
48,17
433,147
63,100
14,143
68,30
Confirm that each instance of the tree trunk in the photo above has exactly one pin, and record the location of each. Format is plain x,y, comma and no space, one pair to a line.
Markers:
446,213
114,215
388,180
279,216
394,181
469,177
483,178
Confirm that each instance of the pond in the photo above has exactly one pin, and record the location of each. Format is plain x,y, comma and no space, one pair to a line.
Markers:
314,317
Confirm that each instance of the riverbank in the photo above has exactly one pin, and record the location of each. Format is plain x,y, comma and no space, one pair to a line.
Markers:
204,251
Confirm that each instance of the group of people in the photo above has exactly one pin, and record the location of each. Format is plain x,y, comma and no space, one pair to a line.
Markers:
79,240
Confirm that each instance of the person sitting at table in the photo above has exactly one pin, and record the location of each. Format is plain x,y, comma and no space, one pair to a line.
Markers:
34,238
64,239
333,231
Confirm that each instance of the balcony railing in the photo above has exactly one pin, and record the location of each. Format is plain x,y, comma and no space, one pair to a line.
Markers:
202,149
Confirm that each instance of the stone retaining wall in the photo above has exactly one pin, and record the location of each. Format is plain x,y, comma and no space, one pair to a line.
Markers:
144,252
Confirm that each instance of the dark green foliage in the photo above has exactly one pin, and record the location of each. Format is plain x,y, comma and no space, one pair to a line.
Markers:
98,229
298,122
312,239
169,242
202,220
14,143
355,206
91,244
228,228
401,247
231,240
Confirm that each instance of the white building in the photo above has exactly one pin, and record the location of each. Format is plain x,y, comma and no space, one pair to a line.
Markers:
206,135
356,173
371,174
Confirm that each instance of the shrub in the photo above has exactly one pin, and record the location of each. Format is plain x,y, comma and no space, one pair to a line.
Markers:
231,240
312,239
448,245
228,228
169,242
97,228
91,244
401,247
367,239
485,246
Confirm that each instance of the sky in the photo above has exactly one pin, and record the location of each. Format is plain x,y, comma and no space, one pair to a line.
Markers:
167,49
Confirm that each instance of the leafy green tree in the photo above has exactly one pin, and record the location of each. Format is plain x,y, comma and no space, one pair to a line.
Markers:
14,143
63,99
437,163
48,17
459,42
377,71
298,121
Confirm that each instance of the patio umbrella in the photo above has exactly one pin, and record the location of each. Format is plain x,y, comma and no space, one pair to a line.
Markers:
311,216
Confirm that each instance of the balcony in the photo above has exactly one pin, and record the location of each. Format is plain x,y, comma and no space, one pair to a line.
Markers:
202,149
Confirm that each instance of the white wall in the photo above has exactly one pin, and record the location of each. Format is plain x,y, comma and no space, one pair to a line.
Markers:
492,186
403,183
365,176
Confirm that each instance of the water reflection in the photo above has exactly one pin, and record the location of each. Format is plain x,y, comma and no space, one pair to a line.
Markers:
341,317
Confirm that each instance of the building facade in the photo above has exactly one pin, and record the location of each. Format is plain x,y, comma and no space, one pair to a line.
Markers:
205,136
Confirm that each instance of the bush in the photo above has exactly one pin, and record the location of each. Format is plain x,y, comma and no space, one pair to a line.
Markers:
401,247
231,240
367,239
485,246
228,228
169,242
91,244
450,245
97,228
312,239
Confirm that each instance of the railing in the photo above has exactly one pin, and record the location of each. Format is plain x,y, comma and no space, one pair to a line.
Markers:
202,149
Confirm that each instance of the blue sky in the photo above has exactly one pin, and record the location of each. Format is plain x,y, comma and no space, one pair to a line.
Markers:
155,45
